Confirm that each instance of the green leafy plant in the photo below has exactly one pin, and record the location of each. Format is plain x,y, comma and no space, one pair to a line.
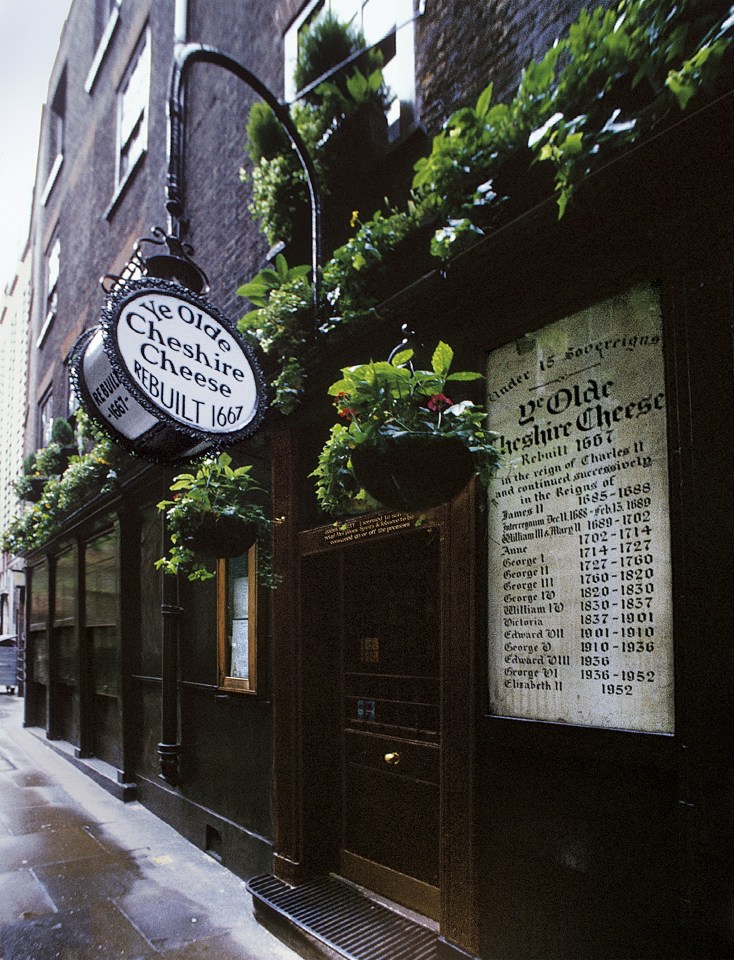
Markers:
214,490
49,461
62,432
620,74
258,289
327,43
702,68
352,275
87,476
608,83
281,323
266,137
279,195
383,400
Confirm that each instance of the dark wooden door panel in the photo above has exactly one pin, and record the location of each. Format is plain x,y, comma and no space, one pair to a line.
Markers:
391,632
392,756
392,820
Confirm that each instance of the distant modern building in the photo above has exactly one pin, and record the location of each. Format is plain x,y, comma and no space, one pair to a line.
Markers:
508,715
15,309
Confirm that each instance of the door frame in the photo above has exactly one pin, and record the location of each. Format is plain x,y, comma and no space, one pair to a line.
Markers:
303,849
420,895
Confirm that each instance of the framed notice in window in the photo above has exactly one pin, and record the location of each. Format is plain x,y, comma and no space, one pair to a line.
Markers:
580,602
237,622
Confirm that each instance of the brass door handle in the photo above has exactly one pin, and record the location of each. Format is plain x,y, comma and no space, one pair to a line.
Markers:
393,759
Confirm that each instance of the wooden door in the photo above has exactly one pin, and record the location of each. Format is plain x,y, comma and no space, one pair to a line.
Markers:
391,643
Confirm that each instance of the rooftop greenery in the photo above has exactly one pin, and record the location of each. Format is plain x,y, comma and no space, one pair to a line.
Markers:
616,77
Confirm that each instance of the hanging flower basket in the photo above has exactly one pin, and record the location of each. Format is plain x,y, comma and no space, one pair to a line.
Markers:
413,471
402,441
215,535
35,489
212,513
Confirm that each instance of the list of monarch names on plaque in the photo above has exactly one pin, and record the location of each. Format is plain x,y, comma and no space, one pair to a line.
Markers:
579,570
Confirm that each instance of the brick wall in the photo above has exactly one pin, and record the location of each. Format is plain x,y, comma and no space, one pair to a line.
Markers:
462,46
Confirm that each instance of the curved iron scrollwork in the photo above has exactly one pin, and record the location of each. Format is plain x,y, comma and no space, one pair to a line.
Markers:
187,54
176,265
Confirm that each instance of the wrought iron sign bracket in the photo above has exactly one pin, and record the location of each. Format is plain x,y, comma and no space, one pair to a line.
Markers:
185,55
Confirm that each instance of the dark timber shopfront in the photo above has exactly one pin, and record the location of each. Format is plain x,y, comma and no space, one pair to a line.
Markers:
509,715
514,717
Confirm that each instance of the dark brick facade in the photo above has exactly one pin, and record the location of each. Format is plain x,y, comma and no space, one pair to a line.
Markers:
459,48
517,892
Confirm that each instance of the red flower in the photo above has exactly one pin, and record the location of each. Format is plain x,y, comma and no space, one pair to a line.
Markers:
347,413
438,402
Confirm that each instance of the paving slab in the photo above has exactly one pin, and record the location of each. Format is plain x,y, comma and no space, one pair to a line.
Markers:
84,882
17,797
85,877
167,919
48,817
97,933
23,896
36,849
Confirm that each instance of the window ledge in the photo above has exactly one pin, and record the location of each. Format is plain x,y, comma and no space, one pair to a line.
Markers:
123,186
52,178
102,48
50,316
224,692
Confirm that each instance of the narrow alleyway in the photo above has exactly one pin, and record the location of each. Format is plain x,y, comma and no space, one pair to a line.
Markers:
84,876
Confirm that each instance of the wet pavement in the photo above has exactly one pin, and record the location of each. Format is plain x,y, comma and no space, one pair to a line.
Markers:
86,877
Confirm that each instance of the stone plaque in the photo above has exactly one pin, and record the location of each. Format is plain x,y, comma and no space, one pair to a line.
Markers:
580,618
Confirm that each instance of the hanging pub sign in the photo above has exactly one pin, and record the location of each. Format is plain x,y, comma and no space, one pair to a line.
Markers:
167,374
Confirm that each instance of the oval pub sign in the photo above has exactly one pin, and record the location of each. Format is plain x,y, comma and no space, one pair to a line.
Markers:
167,374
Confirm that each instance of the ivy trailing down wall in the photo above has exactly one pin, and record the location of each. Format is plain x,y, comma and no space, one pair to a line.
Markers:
66,485
617,77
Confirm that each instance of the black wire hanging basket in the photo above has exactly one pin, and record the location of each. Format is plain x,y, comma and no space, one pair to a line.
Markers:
413,471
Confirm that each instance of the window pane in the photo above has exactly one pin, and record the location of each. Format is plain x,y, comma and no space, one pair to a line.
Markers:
347,11
133,105
101,605
45,419
377,19
238,594
65,634
53,266
56,114
37,617
237,622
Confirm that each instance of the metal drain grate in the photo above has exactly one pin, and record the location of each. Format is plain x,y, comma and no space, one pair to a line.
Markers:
344,920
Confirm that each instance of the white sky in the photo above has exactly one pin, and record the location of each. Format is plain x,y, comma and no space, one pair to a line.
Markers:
29,38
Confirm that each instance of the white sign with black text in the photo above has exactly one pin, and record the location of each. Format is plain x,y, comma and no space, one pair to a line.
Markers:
580,599
165,369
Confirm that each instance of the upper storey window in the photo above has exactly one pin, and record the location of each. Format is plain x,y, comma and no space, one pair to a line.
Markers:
104,11
55,122
388,23
53,269
132,106
106,18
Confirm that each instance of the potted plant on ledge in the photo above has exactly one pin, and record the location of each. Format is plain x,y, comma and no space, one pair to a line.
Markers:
211,514
403,440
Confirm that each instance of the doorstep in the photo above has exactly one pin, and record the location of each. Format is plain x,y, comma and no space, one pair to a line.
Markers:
103,773
331,918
